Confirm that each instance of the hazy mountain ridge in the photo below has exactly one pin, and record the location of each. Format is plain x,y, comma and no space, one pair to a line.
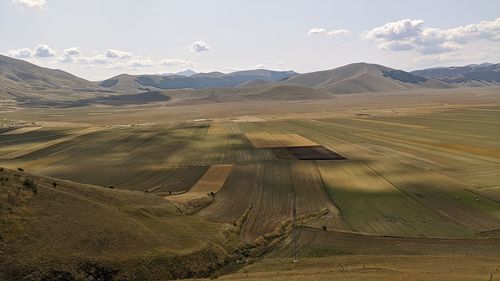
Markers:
195,81
473,74
26,84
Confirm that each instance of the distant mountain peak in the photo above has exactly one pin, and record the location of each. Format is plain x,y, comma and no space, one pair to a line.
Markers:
186,73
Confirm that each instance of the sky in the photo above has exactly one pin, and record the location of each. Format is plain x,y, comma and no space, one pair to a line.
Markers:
98,39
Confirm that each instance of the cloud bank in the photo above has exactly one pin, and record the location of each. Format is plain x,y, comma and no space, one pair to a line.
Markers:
411,34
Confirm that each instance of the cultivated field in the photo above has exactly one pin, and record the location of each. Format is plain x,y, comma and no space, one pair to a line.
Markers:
397,178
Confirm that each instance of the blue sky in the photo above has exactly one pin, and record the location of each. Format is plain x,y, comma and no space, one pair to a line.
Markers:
97,39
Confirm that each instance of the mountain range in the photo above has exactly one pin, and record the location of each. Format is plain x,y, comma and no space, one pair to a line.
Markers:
471,75
195,81
26,84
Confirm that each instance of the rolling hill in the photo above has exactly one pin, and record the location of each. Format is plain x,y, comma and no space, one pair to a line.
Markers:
195,81
22,82
364,77
18,74
470,75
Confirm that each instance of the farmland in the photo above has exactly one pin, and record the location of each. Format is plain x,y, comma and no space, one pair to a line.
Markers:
397,181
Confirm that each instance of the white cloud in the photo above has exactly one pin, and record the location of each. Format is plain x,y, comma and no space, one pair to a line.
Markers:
74,51
322,31
97,59
140,62
20,53
69,53
317,30
31,3
43,51
399,30
338,32
65,59
176,62
117,54
409,34
198,47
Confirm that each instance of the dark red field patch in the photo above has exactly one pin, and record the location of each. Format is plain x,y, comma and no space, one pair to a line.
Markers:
314,153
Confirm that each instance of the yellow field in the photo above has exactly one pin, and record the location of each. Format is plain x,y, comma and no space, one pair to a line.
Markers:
217,129
355,177
262,140
212,181
292,140
21,130
267,140
248,119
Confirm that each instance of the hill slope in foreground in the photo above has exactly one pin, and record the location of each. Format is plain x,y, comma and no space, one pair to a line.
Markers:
60,230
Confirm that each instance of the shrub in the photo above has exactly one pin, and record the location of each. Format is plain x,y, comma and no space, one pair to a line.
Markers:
54,184
20,169
30,185
323,227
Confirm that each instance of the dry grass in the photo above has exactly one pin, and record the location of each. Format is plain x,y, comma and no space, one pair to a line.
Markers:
57,225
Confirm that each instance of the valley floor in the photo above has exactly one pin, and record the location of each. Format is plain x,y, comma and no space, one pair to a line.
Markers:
384,187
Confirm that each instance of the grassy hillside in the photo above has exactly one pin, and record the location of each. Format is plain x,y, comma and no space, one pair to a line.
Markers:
52,228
